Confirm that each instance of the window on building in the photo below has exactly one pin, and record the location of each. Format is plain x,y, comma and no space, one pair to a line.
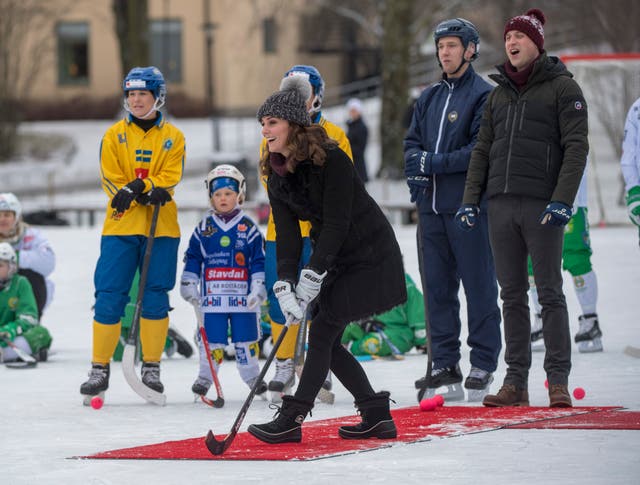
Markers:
269,35
166,48
73,52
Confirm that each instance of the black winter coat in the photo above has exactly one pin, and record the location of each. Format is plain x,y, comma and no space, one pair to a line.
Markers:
531,142
351,237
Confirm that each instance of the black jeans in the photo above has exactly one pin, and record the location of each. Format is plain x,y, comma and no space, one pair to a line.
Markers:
515,232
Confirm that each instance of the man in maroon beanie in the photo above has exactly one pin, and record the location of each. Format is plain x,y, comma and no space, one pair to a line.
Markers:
531,152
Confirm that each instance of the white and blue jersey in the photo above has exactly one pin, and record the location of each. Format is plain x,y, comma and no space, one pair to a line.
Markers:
225,256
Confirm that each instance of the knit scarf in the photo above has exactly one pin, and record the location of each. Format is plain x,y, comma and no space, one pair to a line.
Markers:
278,164
519,78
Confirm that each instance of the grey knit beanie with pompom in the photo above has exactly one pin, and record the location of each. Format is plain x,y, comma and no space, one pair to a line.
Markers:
288,104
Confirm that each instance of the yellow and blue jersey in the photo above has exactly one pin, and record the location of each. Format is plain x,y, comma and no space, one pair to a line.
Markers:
157,157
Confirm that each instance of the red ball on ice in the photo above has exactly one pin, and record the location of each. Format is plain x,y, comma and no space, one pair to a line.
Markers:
439,399
578,393
428,404
96,402
546,384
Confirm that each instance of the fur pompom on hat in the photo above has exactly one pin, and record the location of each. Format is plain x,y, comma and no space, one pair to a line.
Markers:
531,24
288,104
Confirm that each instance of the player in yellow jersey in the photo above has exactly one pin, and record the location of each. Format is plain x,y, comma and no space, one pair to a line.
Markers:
141,161
284,377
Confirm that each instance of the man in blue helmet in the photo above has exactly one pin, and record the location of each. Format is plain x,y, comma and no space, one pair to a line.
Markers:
437,149
141,161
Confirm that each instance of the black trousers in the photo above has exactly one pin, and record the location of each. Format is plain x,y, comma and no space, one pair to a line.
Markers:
326,352
515,233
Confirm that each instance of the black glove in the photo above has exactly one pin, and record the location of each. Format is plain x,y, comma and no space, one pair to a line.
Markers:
123,198
371,325
158,195
155,196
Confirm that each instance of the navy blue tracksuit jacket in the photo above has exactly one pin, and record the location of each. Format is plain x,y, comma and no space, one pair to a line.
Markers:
445,124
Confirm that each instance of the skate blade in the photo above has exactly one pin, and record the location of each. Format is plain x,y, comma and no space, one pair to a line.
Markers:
450,392
86,398
590,346
477,395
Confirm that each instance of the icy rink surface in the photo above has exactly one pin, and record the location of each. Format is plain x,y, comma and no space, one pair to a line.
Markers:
44,422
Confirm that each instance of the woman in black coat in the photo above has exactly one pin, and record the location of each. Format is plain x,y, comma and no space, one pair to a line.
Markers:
355,269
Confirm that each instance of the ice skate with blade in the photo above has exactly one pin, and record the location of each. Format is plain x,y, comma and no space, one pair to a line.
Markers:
589,336
477,384
443,377
97,383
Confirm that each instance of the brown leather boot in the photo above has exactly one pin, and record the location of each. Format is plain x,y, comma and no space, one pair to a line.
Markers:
559,396
508,395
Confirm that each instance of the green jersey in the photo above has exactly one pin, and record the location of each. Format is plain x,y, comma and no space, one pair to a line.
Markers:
18,310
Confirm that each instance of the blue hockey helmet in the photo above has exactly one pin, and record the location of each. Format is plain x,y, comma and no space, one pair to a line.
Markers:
461,28
146,79
312,75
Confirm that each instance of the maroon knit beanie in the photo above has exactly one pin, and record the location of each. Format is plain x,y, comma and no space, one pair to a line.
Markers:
531,24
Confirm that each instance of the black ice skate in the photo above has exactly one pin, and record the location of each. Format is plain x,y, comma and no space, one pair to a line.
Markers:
200,387
589,334
151,376
97,384
261,390
183,346
444,377
477,384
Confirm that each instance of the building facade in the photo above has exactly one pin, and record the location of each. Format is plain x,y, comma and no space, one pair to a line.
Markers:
224,54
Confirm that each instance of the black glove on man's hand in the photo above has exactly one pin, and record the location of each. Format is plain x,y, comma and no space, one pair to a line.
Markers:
123,198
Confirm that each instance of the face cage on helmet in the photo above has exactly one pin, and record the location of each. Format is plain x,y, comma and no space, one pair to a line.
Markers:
242,183
159,102
142,74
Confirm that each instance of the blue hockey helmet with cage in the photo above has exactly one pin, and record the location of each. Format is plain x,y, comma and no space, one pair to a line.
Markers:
315,79
146,79
460,28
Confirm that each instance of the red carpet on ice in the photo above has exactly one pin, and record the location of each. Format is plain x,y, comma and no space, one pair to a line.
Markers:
321,440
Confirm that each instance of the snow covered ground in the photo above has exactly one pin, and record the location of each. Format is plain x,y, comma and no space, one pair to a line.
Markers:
44,422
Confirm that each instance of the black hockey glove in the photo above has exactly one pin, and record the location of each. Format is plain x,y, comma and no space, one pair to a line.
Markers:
370,325
155,196
123,198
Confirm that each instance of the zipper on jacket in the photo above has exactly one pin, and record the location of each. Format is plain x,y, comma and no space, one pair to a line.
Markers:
513,129
437,149
524,105
548,157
